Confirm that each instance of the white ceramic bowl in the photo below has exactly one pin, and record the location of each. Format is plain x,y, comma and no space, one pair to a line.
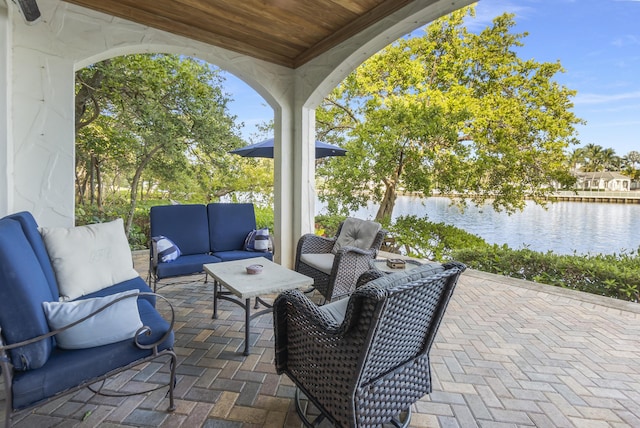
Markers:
254,269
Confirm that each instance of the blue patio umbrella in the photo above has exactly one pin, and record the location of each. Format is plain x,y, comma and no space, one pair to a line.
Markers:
264,149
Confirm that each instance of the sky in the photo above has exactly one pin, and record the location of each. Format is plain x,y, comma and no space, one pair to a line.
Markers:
596,41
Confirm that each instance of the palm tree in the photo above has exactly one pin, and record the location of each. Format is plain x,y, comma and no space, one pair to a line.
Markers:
576,159
592,161
633,158
609,160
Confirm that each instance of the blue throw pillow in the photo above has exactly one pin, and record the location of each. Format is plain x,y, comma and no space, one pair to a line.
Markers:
118,322
257,240
168,251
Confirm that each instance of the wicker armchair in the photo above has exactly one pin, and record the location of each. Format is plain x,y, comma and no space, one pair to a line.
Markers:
364,361
336,263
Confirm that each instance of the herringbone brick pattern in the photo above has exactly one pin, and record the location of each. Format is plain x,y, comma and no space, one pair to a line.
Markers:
509,354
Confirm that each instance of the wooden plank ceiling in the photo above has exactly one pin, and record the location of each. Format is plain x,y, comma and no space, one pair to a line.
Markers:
285,32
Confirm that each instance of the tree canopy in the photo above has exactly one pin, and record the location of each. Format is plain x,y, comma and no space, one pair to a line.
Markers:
160,120
450,111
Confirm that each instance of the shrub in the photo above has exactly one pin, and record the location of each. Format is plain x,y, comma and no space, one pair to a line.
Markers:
327,225
614,275
418,237
264,217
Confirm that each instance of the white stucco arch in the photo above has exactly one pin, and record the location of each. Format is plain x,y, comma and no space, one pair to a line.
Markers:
39,62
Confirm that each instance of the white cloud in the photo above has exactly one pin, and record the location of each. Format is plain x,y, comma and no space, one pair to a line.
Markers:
629,39
608,98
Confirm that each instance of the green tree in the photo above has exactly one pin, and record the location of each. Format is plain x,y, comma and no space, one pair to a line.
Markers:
593,158
633,157
156,118
629,165
451,111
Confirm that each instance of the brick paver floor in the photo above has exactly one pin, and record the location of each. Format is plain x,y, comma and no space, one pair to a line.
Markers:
509,354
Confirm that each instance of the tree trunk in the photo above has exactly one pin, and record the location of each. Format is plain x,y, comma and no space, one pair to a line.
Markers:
81,186
92,181
390,193
388,202
134,187
98,186
85,96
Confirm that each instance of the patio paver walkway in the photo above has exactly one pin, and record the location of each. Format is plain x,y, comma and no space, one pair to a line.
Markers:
509,353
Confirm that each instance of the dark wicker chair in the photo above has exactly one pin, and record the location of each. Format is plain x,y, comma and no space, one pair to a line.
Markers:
337,273
364,361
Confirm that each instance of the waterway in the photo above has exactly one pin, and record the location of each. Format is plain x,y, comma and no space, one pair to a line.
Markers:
562,227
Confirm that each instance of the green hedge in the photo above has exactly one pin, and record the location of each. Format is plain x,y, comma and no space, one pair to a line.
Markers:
612,275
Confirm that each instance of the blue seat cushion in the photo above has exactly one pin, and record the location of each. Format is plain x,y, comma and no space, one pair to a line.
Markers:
185,265
30,229
68,368
186,225
226,256
23,288
229,225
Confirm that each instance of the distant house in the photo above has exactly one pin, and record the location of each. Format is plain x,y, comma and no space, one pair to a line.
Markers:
603,180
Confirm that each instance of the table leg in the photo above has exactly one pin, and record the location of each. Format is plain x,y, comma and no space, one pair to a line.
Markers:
247,326
215,300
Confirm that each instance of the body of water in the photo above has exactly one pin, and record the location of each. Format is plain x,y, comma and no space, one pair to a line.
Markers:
563,227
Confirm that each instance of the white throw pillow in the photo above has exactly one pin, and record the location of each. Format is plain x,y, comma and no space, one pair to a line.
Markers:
118,322
88,258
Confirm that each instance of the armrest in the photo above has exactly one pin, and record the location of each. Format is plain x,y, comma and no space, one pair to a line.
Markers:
143,330
292,310
308,339
368,276
315,244
356,252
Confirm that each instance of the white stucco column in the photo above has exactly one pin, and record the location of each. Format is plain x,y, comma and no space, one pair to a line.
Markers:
304,169
294,131
6,152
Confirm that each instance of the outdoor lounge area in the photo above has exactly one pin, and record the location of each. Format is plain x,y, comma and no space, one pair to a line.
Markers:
509,353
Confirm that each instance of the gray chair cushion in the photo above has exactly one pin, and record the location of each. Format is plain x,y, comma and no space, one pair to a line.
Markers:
323,262
356,233
336,310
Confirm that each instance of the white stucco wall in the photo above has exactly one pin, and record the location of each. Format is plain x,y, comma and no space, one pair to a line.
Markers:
6,152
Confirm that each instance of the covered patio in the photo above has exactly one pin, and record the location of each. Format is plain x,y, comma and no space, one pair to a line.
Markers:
509,353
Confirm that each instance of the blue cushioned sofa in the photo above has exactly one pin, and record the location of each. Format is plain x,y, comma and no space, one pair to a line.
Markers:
34,368
204,234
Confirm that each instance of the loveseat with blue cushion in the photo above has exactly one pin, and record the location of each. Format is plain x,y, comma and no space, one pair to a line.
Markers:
198,234
40,362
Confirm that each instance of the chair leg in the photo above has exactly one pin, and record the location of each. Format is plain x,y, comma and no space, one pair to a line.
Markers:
316,422
172,382
400,424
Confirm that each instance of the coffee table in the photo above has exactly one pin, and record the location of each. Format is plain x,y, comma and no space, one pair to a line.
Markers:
242,287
